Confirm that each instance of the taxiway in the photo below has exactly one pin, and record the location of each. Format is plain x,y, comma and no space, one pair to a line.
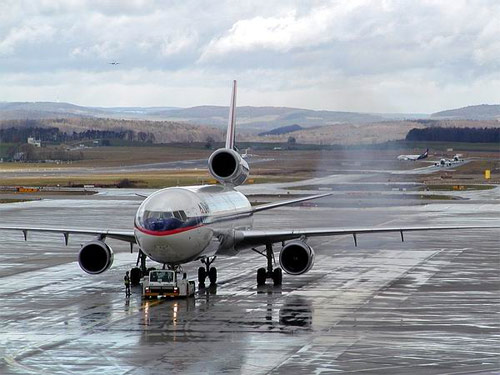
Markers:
428,305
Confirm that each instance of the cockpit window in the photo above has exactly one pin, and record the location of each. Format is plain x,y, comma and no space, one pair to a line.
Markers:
161,221
181,215
169,209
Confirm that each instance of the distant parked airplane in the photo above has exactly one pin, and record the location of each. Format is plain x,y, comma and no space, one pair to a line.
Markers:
449,162
414,157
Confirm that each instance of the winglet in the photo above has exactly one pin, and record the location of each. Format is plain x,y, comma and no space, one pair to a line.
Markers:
231,124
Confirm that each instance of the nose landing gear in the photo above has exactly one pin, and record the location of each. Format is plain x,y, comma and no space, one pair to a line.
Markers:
263,274
207,271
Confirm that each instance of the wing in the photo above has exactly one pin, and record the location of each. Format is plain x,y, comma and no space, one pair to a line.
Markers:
127,236
262,207
251,238
269,206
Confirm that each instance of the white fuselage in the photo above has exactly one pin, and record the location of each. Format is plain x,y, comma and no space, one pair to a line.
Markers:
408,157
414,157
178,225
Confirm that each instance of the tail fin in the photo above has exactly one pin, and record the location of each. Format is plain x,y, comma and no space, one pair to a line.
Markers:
232,120
424,155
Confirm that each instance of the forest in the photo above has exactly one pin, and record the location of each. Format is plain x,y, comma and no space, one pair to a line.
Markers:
438,134
55,136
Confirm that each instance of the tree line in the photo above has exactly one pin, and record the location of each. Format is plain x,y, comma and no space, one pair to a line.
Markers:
55,135
438,134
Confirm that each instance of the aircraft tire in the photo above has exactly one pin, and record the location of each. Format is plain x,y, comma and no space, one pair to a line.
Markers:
212,275
135,276
261,276
202,275
277,276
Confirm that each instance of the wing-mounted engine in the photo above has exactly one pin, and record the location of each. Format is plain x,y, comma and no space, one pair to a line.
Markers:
95,257
228,167
296,257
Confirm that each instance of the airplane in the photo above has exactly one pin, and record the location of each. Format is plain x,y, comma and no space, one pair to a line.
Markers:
449,162
443,163
414,157
178,225
114,63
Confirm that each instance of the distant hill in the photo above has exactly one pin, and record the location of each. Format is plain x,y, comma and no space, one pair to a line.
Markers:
41,110
46,110
346,134
163,131
260,119
282,130
251,119
474,112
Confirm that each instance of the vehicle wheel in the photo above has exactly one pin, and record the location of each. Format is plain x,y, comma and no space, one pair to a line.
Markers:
135,276
202,275
277,276
212,275
261,276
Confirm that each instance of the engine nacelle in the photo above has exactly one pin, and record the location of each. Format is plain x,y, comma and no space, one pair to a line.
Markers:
296,257
95,257
228,167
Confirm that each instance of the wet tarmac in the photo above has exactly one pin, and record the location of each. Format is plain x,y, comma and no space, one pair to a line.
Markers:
429,305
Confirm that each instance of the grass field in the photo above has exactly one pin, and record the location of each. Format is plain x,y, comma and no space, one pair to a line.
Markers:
391,145
4,147
456,146
275,166
13,200
118,156
451,187
153,180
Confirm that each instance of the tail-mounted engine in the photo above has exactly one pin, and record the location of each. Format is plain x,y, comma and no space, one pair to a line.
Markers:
95,257
296,257
228,167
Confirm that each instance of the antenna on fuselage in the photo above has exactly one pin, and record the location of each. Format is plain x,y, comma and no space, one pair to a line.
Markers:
231,124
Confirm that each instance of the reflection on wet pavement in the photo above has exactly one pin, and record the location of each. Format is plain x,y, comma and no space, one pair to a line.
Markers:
428,305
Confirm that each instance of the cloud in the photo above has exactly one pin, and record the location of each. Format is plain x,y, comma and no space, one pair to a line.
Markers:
288,31
347,55
26,35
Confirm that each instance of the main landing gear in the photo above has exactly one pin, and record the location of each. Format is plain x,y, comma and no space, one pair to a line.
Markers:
262,274
207,271
140,269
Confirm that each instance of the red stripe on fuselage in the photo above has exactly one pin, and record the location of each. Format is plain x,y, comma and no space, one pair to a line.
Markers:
167,232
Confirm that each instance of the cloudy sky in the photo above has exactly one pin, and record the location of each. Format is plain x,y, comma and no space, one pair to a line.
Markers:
353,55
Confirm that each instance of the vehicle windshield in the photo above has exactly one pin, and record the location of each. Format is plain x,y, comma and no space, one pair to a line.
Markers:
162,276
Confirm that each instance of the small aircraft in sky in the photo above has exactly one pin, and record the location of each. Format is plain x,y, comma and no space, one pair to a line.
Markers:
114,63
178,225
414,157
